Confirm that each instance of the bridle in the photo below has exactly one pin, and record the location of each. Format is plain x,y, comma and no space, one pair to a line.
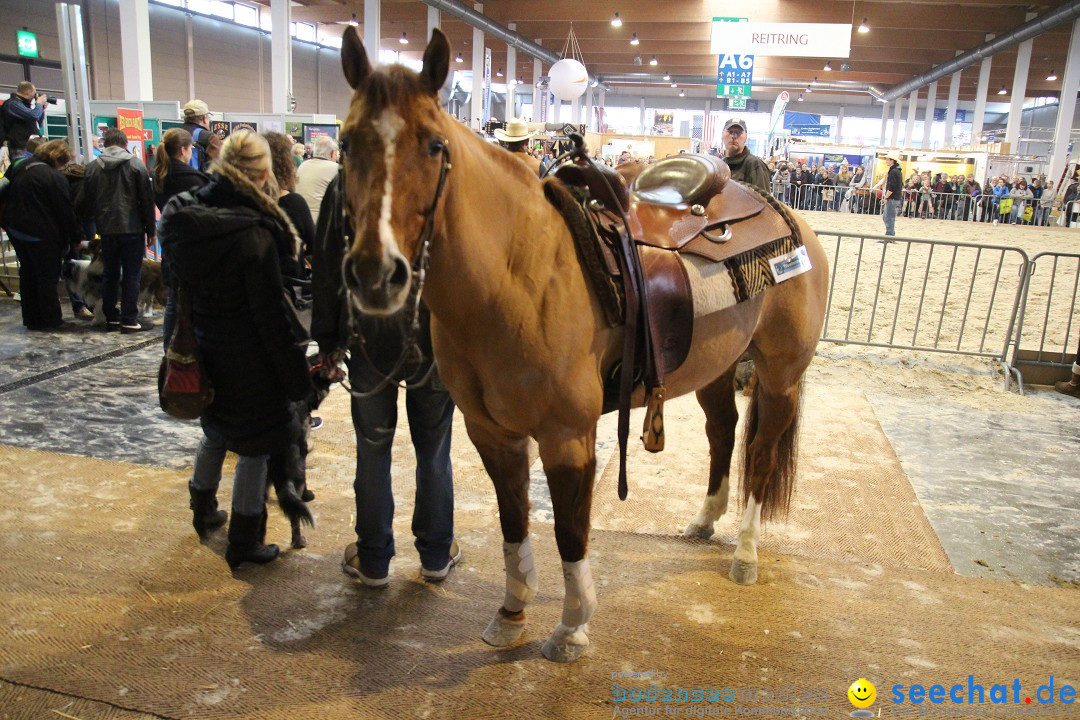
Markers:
420,264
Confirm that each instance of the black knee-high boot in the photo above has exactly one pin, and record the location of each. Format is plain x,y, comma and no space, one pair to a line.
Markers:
246,535
205,514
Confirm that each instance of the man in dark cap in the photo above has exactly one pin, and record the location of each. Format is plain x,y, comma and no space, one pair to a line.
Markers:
745,166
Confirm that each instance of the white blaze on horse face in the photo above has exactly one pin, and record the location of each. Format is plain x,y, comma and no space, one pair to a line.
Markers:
388,126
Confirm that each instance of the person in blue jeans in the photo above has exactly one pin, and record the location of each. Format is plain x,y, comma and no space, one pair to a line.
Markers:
894,187
117,196
375,373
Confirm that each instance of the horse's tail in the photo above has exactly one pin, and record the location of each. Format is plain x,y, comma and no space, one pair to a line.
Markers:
774,490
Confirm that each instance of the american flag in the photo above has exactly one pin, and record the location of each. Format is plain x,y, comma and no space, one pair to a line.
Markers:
708,133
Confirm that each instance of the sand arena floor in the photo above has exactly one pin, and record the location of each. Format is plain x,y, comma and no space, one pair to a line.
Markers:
934,535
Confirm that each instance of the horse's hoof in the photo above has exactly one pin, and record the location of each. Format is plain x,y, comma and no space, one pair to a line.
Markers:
503,632
299,542
566,644
699,531
743,573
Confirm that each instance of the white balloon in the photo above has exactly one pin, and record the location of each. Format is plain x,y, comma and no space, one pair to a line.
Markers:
568,79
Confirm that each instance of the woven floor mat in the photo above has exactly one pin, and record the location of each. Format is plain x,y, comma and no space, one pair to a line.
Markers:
107,595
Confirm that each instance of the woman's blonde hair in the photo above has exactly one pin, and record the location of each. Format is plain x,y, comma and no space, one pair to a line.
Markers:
249,153
245,161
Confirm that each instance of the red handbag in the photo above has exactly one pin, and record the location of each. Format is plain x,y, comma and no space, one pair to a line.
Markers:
184,389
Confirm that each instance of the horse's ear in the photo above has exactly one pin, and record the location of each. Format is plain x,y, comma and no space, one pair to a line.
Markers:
436,61
354,60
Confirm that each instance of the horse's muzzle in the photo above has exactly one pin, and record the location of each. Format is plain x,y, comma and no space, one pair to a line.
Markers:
378,287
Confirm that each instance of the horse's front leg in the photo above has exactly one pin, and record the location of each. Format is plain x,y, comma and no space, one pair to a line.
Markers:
570,466
506,459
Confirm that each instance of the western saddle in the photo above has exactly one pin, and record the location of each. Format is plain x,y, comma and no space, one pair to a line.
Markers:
630,239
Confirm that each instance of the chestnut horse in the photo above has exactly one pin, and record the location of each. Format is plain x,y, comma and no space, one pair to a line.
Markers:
521,340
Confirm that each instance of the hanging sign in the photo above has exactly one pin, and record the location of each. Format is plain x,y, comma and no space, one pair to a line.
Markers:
831,40
734,75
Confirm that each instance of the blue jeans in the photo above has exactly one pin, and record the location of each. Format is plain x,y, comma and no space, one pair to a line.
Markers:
249,483
123,257
430,411
891,206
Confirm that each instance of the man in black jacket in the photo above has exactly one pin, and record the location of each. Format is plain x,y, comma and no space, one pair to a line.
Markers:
745,166
23,113
894,188
116,193
374,353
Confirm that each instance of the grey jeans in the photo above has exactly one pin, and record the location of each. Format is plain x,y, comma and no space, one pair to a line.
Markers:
889,214
249,483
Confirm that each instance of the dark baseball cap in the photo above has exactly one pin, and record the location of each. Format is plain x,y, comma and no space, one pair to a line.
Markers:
735,121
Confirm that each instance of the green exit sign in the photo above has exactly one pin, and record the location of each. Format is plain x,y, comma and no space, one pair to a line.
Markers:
27,42
737,103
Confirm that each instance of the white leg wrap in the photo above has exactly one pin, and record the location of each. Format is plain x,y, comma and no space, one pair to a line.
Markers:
1076,369
746,550
580,599
521,582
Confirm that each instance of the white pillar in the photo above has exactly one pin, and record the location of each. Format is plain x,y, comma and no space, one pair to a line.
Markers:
1070,82
511,75
950,110
476,110
884,123
601,106
281,56
587,119
642,117
372,29
928,117
135,49
913,108
434,20
839,126
980,97
1019,88
538,72
897,111
575,111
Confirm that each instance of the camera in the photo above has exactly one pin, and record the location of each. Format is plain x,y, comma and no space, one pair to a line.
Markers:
51,99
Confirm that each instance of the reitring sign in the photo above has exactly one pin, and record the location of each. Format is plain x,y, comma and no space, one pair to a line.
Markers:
782,39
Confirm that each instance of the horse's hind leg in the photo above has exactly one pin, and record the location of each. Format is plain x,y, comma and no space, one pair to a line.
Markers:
718,401
769,464
506,460
570,465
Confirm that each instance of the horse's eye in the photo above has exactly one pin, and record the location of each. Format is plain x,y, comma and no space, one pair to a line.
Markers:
435,146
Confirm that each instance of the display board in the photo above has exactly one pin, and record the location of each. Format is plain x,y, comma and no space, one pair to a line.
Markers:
313,132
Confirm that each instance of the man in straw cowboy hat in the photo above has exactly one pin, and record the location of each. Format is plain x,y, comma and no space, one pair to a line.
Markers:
515,138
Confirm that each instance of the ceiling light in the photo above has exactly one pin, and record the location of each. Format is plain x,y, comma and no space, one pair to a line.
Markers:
1003,91
800,97
653,61
353,21
809,89
828,66
404,39
1052,76
595,83
682,93
814,81
634,40
667,78
674,84
459,58
863,27
616,21
498,73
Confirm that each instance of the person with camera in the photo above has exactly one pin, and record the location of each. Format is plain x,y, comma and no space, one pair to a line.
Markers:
23,116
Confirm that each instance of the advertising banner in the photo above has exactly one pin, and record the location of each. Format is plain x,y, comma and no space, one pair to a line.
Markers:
313,132
131,123
831,40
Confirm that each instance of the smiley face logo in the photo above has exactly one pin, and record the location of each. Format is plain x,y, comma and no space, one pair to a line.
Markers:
862,693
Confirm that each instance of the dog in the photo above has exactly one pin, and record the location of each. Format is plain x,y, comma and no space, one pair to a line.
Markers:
84,280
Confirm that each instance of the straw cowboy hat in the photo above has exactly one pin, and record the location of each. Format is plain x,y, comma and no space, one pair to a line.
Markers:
516,130
892,156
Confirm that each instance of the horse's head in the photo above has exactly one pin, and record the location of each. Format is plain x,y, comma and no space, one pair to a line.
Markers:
396,153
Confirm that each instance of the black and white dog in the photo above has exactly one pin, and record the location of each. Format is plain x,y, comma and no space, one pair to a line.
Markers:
83,279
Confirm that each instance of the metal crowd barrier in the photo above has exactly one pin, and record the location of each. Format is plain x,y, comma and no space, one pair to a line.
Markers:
925,295
930,205
1046,334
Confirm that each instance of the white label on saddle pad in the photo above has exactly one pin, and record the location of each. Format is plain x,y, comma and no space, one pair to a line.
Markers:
790,264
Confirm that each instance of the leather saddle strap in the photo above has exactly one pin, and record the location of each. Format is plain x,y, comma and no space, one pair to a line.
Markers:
626,371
